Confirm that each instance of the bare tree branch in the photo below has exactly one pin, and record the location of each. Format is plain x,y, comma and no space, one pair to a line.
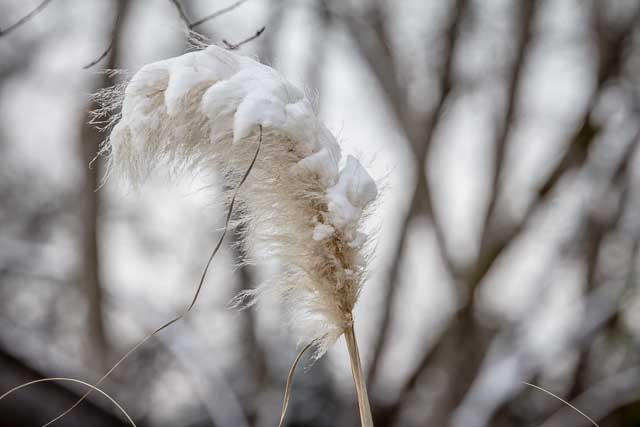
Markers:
603,289
254,354
88,147
41,403
25,18
525,21
463,331
183,15
191,25
212,15
233,46
611,50
101,57
420,136
602,398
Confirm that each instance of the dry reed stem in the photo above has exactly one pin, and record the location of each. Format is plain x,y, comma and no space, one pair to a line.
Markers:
366,419
287,389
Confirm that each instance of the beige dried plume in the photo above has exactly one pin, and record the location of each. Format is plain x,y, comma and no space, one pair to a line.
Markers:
301,205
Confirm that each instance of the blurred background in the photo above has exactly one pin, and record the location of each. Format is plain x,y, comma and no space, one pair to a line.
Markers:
505,135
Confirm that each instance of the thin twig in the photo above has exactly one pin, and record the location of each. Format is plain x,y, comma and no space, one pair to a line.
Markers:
213,15
91,387
25,18
195,297
232,46
191,25
100,58
182,13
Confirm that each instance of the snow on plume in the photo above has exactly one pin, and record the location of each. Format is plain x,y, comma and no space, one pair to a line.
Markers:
202,111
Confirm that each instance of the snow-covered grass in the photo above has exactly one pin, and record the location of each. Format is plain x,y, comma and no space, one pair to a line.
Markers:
301,204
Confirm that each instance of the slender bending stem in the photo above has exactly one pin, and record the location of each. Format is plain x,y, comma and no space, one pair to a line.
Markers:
358,378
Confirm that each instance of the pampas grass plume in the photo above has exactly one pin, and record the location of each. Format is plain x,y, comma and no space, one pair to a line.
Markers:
302,204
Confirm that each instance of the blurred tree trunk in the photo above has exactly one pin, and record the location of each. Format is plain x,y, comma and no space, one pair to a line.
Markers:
254,357
88,147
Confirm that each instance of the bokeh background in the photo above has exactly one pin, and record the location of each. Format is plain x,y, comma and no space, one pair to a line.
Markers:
505,136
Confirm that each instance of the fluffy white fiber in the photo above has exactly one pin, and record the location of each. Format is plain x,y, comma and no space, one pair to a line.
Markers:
301,203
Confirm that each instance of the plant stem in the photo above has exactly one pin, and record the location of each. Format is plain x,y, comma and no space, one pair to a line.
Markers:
358,378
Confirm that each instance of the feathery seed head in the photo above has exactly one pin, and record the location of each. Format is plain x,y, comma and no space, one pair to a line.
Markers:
202,111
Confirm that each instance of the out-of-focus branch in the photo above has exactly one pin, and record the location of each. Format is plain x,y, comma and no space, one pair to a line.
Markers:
25,18
617,390
462,324
183,14
191,25
316,63
611,53
218,398
233,46
39,404
276,14
512,350
99,58
420,138
416,208
600,399
524,23
595,230
374,47
602,290
214,14
463,331
254,354
88,147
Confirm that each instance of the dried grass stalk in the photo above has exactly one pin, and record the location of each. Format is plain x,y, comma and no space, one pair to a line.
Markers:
366,419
